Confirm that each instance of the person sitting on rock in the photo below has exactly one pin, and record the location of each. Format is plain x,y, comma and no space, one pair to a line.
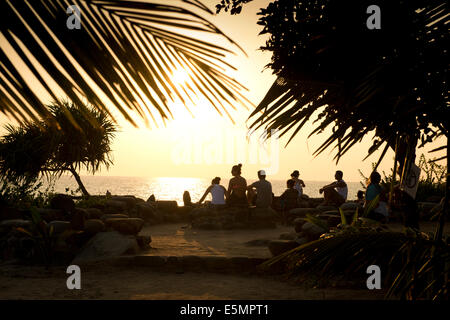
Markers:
376,199
218,193
289,196
298,183
335,193
264,195
236,188
360,198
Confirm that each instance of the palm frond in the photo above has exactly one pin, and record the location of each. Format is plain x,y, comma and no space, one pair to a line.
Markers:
124,55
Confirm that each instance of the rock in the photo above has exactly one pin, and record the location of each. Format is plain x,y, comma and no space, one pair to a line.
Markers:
94,226
301,240
130,201
277,247
77,219
312,231
145,211
115,207
151,199
51,214
168,206
125,225
59,226
7,213
106,245
349,206
323,208
288,236
62,202
144,242
302,212
263,214
113,216
93,213
298,224
7,225
199,212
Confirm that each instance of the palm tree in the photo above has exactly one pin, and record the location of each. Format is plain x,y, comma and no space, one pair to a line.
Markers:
123,57
38,148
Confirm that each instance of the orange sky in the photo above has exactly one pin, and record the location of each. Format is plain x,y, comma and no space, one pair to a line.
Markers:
208,144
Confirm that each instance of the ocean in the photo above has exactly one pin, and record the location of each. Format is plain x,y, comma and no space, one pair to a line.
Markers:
172,188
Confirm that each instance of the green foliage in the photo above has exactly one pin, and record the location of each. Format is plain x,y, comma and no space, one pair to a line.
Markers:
425,269
82,140
43,239
92,202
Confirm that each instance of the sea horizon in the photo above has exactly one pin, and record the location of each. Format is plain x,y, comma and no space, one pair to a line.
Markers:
172,188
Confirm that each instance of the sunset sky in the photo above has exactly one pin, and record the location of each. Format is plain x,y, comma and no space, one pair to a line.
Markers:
208,144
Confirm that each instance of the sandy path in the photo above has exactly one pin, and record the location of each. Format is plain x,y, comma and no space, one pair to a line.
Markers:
106,282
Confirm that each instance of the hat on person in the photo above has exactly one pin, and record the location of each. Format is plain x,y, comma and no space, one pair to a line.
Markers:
261,172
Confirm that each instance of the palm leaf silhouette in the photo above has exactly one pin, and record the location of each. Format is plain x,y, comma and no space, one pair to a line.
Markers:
122,56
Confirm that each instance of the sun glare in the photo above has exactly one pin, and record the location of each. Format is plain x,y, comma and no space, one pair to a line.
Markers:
180,76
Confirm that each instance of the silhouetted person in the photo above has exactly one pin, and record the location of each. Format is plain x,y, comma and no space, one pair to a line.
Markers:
408,206
289,196
218,193
335,193
380,210
298,183
263,188
187,199
236,188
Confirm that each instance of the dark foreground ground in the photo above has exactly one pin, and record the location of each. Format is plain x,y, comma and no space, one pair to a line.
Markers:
114,281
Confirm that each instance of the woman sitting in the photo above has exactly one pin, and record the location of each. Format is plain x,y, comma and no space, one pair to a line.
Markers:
237,188
218,193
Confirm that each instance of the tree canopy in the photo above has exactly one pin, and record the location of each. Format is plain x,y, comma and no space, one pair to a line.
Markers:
392,81
38,148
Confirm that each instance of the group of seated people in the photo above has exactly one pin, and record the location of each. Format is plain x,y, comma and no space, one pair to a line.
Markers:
259,193
238,193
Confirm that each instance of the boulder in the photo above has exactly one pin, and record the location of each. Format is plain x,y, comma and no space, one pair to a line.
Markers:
130,226
94,226
59,226
77,219
48,214
298,224
7,213
302,212
93,213
106,245
263,214
112,216
62,202
168,206
425,208
130,201
278,247
7,225
115,207
312,231
323,208
144,242
301,240
145,211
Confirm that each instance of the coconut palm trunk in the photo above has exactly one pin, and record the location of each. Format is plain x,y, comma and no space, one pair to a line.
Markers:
444,210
